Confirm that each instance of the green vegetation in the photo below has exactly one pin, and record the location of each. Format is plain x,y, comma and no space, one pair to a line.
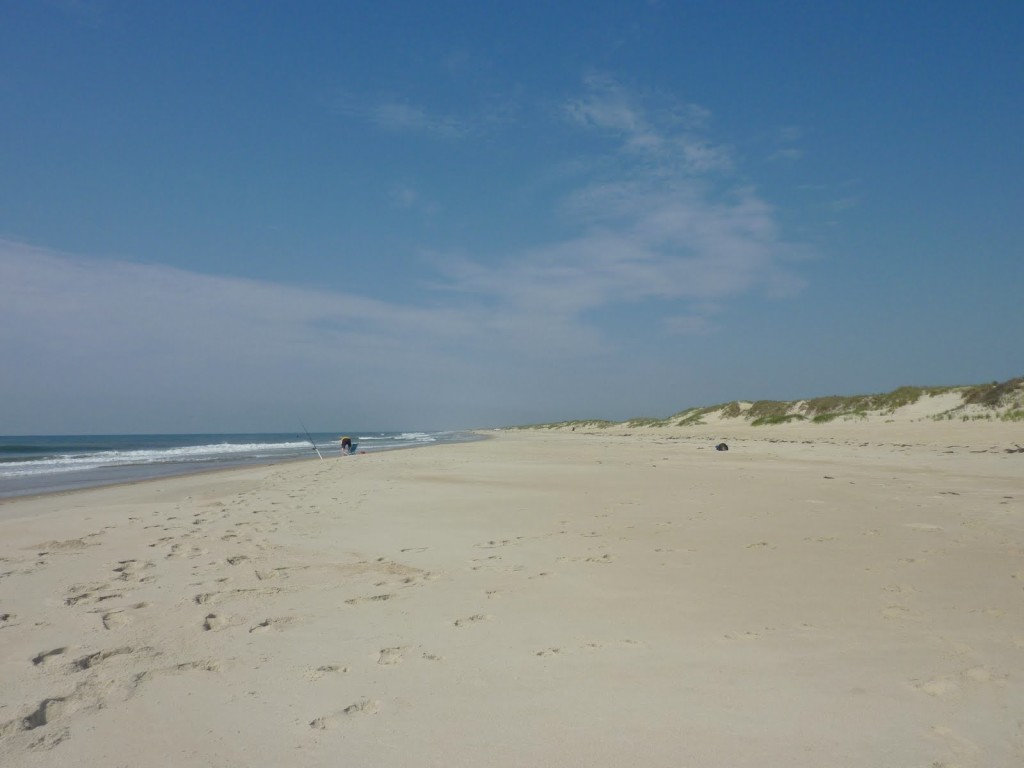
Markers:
995,394
1002,400
732,410
888,402
779,418
646,422
834,404
824,418
593,423
768,409
692,417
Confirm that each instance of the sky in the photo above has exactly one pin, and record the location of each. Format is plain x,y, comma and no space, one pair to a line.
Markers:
240,216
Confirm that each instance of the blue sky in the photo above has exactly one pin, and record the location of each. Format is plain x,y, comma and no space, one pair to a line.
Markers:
230,216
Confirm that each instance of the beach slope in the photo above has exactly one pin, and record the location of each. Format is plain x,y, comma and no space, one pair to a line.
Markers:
843,595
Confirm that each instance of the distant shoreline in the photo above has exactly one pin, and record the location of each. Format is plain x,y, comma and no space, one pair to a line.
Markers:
130,472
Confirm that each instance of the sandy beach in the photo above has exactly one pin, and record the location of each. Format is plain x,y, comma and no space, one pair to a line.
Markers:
849,594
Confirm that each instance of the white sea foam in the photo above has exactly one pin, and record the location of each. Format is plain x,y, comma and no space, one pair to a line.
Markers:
184,454
46,464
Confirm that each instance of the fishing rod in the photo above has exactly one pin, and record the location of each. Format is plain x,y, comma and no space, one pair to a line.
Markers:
311,440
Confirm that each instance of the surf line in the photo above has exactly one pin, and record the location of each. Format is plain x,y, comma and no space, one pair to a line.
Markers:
310,437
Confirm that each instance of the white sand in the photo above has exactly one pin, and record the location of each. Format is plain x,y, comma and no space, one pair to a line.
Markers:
832,595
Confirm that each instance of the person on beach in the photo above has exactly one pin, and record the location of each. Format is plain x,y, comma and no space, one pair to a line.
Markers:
346,446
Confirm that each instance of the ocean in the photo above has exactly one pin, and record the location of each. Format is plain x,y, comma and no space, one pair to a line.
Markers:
31,465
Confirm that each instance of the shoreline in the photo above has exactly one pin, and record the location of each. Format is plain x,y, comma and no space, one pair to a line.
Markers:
563,598
184,469
183,475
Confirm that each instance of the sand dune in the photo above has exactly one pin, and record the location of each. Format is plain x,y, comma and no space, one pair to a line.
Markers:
840,594
997,402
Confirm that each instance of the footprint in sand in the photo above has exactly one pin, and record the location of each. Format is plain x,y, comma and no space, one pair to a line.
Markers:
48,740
215,623
599,559
68,545
178,550
89,593
389,656
591,647
115,619
995,613
52,710
947,685
269,625
980,675
338,719
93,659
898,612
939,686
45,657
230,594
370,599
207,665
899,589
129,570
325,669
494,543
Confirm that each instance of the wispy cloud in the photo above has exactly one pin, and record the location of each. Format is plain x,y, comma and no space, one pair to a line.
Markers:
843,203
787,153
689,325
407,195
791,133
664,219
663,223
107,331
403,116
662,216
397,116
667,135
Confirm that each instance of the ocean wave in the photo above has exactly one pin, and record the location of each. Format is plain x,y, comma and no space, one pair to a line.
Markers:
78,462
63,462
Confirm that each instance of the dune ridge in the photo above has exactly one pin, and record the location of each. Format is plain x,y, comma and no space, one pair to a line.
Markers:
998,401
